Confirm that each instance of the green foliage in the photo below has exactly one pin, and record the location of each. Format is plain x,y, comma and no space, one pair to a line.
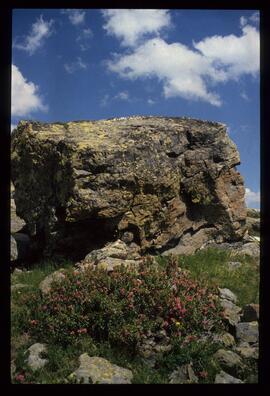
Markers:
123,306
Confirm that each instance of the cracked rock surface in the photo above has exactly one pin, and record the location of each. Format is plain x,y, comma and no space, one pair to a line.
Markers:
168,182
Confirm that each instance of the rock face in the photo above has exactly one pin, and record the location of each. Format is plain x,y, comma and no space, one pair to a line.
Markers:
167,182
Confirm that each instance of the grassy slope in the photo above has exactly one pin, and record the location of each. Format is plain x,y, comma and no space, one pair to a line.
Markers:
210,266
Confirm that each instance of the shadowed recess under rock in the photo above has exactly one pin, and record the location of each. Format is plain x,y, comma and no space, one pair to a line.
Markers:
171,182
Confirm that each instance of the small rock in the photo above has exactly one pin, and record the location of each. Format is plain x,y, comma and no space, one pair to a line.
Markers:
228,360
231,312
17,271
250,313
224,378
247,332
45,285
250,249
34,360
19,246
227,294
101,371
247,352
183,375
226,339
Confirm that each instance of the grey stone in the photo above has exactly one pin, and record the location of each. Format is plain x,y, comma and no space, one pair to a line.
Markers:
224,378
19,246
226,339
247,332
46,284
34,360
100,371
227,294
231,312
183,375
229,361
250,249
246,351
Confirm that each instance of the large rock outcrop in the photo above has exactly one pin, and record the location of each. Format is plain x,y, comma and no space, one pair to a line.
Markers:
167,181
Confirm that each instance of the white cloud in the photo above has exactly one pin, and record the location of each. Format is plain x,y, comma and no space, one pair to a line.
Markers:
255,17
130,26
39,32
24,95
75,66
234,55
104,101
122,96
178,68
151,101
252,198
76,17
83,38
244,96
243,21
184,72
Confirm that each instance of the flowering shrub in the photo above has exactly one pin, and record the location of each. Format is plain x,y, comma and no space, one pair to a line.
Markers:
124,305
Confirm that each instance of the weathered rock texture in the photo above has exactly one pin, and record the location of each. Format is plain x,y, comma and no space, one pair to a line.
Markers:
168,181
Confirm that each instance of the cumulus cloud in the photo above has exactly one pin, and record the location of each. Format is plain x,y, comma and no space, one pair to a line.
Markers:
25,98
187,72
180,69
40,30
254,18
252,198
130,26
233,54
75,66
76,16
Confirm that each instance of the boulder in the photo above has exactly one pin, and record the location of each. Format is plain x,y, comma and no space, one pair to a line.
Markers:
167,181
227,294
34,360
46,284
113,254
229,361
97,370
13,249
231,312
250,249
224,378
247,332
226,339
183,375
246,351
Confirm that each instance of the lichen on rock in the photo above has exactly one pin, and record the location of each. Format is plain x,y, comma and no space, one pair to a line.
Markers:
79,185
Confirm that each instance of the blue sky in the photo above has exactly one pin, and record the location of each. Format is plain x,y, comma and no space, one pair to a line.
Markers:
95,64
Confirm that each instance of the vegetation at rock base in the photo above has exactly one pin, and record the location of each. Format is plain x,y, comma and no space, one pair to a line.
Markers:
107,320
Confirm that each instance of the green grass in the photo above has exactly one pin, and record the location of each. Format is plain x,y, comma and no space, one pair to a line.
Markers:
210,266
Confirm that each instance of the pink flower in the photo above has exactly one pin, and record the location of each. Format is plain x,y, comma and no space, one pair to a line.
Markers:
82,331
20,377
33,322
203,374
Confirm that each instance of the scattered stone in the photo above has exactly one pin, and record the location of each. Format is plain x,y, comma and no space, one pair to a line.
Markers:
233,265
229,361
250,313
224,378
246,351
247,332
100,371
183,375
226,339
34,360
113,254
227,294
250,249
153,345
231,312
45,285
